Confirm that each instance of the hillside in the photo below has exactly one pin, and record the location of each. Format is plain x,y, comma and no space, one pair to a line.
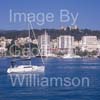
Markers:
52,32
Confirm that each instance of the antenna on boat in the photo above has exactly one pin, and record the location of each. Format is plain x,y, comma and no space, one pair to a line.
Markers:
31,27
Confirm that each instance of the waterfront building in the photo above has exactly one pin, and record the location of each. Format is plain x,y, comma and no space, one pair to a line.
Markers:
44,44
22,41
89,43
35,41
54,46
3,48
65,43
8,41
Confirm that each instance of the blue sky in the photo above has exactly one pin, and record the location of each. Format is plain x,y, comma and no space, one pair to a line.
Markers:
89,12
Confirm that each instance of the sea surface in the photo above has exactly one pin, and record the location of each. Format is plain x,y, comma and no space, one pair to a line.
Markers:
56,68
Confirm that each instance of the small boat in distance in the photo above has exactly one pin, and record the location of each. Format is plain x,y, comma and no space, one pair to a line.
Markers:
70,53
29,67
69,56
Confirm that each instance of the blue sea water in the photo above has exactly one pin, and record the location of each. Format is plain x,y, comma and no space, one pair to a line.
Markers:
55,67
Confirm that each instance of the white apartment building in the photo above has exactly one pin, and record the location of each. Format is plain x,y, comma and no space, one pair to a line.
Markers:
3,43
65,42
44,44
23,41
89,43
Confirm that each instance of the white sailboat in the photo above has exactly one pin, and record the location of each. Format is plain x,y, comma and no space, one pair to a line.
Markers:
27,68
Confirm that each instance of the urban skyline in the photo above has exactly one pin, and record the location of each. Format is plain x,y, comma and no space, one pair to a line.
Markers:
63,44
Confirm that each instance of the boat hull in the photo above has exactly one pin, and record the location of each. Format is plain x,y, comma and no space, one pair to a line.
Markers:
24,69
70,56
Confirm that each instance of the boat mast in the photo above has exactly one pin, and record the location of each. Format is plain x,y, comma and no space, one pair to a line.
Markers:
37,42
29,45
45,43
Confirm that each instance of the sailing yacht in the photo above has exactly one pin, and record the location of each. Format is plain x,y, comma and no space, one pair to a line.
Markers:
29,67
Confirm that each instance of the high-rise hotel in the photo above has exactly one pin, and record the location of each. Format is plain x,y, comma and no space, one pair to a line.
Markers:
44,44
65,42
